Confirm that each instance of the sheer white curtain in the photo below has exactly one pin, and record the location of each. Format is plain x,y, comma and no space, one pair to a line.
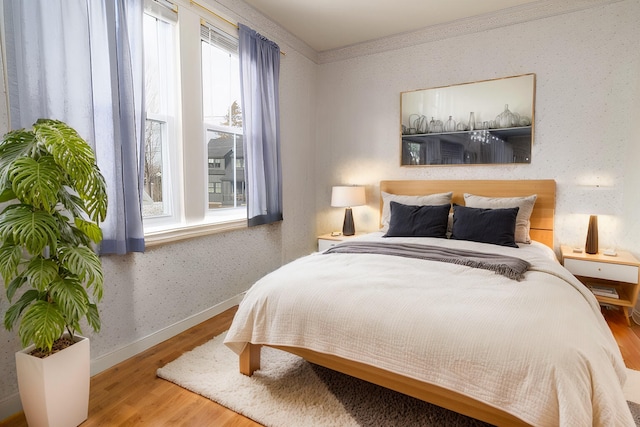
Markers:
259,80
80,61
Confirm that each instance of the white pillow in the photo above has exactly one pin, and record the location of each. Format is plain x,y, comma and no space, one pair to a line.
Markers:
523,224
425,200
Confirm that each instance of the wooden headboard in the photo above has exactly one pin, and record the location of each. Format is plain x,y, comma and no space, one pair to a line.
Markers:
543,210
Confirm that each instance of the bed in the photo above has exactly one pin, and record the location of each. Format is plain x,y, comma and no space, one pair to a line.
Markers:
529,349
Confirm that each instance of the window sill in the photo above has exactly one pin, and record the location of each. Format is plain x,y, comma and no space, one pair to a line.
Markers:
161,237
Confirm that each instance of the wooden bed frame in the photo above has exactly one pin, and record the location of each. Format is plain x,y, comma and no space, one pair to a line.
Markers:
541,231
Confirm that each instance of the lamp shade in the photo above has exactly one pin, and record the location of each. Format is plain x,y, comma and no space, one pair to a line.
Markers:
344,196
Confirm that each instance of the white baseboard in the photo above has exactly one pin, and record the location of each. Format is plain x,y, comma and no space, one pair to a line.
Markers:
12,405
108,360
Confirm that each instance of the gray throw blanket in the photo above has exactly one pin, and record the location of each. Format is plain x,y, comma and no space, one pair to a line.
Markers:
511,267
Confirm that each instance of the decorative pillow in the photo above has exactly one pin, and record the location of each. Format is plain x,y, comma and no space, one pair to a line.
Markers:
418,221
424,200
523,225
495,226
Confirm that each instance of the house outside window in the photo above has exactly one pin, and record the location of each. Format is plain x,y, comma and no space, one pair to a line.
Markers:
222,113
226,148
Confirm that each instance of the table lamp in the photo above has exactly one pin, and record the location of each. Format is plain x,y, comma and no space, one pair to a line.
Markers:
591,245
595,199
344,196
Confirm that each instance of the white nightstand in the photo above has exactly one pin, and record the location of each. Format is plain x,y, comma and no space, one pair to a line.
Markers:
327,240
619,272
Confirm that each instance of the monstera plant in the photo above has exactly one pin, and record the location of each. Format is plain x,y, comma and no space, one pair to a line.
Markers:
54,198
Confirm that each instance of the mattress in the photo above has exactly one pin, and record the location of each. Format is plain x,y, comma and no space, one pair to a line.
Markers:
537,348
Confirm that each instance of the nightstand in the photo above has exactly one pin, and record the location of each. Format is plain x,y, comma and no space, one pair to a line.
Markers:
619,272
327,240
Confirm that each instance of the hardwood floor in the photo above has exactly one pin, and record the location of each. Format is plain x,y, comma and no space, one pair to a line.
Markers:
130,393
628,338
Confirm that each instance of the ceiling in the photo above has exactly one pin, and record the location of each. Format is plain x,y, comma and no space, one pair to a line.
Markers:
332,24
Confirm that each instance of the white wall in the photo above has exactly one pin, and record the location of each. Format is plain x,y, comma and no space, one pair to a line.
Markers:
587,67
147,293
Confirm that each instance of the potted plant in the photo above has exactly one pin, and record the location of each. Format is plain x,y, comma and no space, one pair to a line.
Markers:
55,198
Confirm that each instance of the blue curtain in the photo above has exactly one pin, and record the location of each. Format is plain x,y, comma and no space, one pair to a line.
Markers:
259,76
80,61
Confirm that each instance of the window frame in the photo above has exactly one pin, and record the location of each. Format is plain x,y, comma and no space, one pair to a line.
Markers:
170,141
191,215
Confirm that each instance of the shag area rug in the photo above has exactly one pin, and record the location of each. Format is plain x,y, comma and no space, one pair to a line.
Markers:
288,391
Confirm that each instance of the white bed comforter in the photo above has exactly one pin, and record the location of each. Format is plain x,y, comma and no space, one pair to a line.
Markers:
538,349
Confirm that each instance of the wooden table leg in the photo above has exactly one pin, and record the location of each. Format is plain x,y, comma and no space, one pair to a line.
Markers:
250,359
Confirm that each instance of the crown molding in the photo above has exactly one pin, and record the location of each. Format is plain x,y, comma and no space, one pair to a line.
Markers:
246,14
243,12
514,15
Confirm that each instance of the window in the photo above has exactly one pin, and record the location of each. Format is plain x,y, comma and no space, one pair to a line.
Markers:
161,111
222,114
155,141
215,163
194,163
215,187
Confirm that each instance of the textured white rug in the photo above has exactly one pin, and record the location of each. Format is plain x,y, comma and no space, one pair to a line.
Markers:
287,391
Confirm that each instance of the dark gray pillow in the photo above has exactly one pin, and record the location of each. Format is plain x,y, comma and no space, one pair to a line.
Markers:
495,226
418,221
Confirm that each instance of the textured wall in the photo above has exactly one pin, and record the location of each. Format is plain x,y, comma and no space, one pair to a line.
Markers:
587,65
169,283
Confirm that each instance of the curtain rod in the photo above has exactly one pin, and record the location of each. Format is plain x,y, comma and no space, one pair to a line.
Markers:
222,18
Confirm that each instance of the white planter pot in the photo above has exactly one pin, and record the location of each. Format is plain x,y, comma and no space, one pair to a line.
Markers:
55,390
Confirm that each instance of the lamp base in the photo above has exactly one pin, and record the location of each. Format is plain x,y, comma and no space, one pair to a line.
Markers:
348,227
591,246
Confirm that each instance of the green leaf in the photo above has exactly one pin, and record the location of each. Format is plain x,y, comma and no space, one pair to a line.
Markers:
95,198
69,233
15,144
93,317
13,312
90,229
7,195
70,151
71,298
42,323
10,257
84,263
41,272
34,230
15,285
36,182
71,202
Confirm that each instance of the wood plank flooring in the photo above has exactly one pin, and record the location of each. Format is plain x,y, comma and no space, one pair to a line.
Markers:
130,394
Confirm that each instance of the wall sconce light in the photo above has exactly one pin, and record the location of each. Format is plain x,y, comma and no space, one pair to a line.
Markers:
343,196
